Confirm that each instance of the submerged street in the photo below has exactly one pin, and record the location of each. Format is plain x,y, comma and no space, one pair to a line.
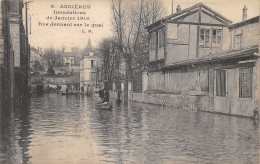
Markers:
69,129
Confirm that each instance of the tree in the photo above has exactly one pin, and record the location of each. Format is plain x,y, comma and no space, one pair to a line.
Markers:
76,51
50,70
129,22
110,59
37,66
60,56
50,56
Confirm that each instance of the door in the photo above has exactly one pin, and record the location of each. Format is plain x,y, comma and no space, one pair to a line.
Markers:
221,91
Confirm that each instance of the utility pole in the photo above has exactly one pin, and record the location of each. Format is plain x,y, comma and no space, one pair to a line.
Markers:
26,22
26,63
26,17
172,6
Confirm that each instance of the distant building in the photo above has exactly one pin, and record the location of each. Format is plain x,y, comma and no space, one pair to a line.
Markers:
199,54
88,63
68,58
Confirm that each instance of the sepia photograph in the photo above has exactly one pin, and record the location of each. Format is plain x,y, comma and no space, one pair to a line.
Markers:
129,81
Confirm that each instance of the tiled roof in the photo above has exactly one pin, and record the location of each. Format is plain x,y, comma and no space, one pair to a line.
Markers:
198,5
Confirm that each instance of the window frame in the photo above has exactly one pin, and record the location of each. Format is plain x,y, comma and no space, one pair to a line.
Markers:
161,38
240,94
208,38
218,44
204,34
153,41
92,63
240,39
92,76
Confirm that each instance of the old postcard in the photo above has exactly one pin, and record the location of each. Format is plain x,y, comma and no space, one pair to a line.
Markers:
120,81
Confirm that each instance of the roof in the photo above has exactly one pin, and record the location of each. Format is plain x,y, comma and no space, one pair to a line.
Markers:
246,22
34,49
217,57
89,46
88,49
187,10
68,54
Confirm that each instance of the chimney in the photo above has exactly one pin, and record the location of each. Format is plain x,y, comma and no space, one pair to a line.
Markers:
178,9
244,13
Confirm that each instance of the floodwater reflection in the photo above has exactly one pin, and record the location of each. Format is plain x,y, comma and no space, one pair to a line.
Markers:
53,128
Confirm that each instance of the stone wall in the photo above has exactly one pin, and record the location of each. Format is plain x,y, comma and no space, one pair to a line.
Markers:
55,80
202,102
186,101
192,102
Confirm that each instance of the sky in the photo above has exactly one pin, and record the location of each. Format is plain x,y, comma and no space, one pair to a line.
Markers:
100,13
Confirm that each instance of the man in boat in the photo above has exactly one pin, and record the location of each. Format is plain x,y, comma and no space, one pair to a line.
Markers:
118,96
101,93
106,97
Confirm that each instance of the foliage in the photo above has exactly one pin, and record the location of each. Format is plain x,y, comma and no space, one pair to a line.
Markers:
54,56
51,70
76,51
129,22
37,66
131,38
110,59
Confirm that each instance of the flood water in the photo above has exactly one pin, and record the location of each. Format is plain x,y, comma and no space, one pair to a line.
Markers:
69,129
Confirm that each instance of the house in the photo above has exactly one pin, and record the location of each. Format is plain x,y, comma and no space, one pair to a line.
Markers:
199,59
68,58
88,72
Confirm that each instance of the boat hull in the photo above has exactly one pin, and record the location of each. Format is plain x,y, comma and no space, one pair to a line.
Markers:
104,106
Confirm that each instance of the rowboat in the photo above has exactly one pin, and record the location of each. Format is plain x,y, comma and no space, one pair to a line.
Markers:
105,106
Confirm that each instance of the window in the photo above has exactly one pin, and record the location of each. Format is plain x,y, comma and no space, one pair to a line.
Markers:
221,83
92,63
215,35
216,38
153,41
92,76
204,37
245,82
238,41
161,38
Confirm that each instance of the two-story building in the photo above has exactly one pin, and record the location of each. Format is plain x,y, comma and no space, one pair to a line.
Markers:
68,58
88,65
197,53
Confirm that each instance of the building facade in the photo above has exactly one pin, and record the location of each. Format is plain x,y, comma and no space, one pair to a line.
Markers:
88,63
14,49
68,58
197,53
